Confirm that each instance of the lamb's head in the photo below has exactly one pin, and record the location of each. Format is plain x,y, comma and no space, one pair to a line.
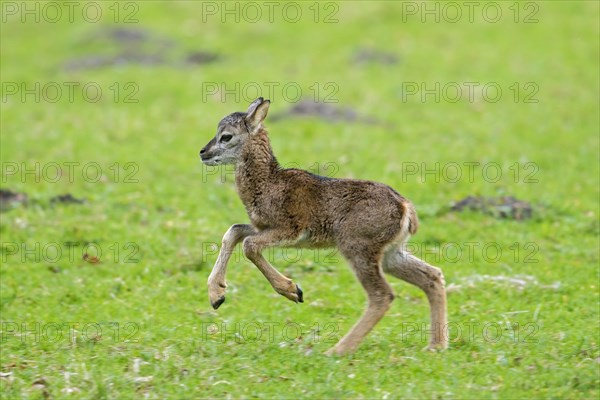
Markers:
233,132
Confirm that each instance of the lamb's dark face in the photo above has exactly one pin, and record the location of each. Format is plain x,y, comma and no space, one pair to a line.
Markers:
233,131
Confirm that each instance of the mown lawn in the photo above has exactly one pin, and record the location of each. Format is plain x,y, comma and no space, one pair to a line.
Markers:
107,298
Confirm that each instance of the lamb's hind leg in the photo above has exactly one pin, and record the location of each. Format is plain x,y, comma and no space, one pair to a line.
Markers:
430,279
380,296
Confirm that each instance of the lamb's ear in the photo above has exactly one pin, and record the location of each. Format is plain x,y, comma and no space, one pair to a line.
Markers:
254,104
255,118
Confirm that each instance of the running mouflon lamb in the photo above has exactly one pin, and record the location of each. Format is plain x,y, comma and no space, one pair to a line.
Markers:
368,222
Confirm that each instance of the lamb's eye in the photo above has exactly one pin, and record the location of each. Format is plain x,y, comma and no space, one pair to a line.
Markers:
225,138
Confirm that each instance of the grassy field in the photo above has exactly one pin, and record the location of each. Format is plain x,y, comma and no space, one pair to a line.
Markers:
107,298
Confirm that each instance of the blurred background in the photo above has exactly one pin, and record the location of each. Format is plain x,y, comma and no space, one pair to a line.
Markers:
389,82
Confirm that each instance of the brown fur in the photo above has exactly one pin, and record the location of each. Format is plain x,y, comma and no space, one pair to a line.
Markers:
368,222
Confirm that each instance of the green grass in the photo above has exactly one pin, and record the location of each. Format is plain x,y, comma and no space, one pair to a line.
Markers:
158,221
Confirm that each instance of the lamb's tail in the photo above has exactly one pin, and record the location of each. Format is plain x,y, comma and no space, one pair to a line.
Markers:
410,221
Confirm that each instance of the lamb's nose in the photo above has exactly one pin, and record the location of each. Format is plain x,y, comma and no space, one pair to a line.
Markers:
203,150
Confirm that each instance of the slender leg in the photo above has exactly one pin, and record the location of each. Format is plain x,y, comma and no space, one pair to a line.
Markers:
216,281
253,246
430,279
380,296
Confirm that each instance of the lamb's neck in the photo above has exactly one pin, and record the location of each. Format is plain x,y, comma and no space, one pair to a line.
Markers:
256,168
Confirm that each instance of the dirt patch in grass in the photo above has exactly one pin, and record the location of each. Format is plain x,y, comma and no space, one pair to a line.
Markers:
135,46
10,199
372,56
67,198
325,111
506,207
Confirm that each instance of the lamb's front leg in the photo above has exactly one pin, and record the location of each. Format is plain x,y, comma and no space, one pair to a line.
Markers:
216,281
253,246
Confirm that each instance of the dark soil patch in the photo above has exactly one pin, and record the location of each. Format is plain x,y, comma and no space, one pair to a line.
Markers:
136,46
364,56
10,199
128,35
499,207
325,111
201,57
66,199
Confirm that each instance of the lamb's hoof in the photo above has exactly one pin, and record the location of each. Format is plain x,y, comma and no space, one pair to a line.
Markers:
337,351
436,347
218,303
291,292
300,294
